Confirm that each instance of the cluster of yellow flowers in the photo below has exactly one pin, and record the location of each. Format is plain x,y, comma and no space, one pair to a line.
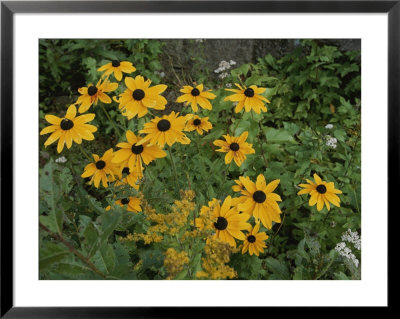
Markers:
174,262
165,224
217,256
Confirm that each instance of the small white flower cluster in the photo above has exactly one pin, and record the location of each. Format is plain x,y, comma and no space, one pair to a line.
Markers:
331,141
199,40
329,126
352,237
345,252
61,159
223,66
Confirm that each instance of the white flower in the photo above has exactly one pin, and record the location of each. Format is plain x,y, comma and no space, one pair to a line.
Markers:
352,237
61,159
346,253
329,126
223,75
223,65
229,85
331,141
199,40
231,62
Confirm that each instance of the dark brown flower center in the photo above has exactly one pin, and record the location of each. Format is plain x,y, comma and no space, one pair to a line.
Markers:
221,223
321,189
234,147
66,124
249,92
100,164
259,197
138,94
137,149
115,63
195,92
163,125
251,239
92,90
125,201
196,122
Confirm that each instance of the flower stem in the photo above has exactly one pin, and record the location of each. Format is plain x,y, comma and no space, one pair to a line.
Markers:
237,124
71,248
260,142
110,119
84,152
174,168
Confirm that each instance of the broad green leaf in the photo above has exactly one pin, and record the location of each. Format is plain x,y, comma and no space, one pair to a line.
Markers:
51,254
278,136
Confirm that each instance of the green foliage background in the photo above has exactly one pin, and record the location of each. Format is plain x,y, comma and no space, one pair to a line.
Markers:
308,88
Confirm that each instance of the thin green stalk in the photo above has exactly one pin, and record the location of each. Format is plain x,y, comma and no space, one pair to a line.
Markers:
237,124
174,168
111,120
84,152
355,197
260,143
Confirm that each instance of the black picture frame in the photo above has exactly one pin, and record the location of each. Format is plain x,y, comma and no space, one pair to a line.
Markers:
9,8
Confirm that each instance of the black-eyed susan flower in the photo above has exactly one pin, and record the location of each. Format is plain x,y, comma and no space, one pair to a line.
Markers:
139,96
69,128
165,130
254,242
199,124
117,67
248,98
235,147
132,204
259,200
227,222
93,93
101,169
128,176
133,153
322,193
196,96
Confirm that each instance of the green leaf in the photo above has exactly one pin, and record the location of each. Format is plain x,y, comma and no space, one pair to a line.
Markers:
182,274
50,191
109,221
152,258
278,136
104,259
340,134
50,254
242,70
279,270
341,276
91,242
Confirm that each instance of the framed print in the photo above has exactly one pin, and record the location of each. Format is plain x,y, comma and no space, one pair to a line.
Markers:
159,155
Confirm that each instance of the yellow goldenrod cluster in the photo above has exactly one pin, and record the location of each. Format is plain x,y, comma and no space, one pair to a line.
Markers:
188,195
174,262
214,264
205,220
165,224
